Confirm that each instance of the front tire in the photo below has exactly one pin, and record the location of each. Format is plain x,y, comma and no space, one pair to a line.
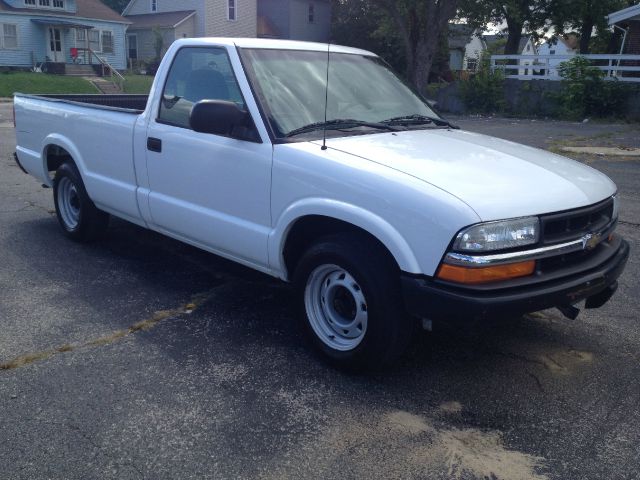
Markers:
78,216
349,292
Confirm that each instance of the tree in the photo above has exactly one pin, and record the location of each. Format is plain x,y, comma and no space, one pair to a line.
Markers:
421,24
117,5
585,16
520,16
361,24
158,42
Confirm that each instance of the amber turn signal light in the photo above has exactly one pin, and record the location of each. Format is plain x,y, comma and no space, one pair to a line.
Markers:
471,276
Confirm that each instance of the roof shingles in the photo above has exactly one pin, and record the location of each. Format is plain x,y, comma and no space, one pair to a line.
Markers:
90,9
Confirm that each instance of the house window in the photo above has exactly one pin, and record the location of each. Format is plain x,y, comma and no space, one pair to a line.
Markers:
231,10
312,13
45,3
94,40
107,41
58,3
81,36
154,5
30,3
552,52
9,36
472,64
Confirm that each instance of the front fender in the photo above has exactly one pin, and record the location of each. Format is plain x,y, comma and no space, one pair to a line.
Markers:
364,219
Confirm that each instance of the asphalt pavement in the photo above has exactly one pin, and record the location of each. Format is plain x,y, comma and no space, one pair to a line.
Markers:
141,357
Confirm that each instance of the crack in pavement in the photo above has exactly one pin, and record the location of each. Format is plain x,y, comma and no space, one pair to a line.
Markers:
144,325
27,206
101,450
536,380
630,224
86,436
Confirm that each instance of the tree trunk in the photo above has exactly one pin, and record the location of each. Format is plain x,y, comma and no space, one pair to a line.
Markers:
423,61
515,35
585,35
420,26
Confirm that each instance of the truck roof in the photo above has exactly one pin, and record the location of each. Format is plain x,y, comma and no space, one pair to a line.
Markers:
273,44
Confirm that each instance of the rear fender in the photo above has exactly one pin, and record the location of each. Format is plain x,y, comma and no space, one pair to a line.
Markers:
63,142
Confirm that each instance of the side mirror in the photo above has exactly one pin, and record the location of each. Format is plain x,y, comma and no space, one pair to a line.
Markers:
432,103
218,117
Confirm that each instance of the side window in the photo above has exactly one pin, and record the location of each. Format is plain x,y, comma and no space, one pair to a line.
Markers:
197,74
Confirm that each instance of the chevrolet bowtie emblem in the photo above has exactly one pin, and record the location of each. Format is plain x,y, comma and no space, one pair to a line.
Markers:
591,241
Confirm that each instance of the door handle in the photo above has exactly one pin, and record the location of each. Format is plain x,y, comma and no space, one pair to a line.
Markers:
154,144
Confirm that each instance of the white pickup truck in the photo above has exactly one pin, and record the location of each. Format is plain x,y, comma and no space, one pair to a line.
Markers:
379,211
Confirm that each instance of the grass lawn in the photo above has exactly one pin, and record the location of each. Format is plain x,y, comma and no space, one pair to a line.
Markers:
138,84
27,82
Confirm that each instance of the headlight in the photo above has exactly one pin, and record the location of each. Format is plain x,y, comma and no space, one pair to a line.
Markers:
502,235
616,207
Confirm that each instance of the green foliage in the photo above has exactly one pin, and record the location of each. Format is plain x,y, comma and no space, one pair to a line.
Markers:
585,16
27,82
158,42
138,84
519,16
362,24
586,93
484,91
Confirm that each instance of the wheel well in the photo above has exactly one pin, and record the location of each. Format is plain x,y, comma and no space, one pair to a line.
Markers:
306,230
56,156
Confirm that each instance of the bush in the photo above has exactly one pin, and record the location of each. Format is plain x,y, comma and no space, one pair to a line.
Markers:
586,93
483,92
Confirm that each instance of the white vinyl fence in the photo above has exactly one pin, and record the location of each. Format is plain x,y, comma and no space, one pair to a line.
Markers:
625,68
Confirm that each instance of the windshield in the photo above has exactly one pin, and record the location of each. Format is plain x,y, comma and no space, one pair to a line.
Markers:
290,85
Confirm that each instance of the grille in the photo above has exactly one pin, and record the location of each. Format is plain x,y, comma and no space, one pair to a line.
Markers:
567,226
551,264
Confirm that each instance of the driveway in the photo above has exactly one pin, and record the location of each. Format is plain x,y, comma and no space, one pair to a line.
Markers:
140,357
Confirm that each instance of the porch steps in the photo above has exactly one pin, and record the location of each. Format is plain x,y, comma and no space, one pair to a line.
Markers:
104,85
79,70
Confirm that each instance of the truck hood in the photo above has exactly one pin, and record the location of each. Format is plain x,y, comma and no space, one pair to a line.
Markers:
496,178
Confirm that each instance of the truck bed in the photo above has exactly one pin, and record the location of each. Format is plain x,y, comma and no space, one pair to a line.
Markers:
123,102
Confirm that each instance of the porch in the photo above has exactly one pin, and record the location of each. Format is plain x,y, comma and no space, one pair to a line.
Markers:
69,48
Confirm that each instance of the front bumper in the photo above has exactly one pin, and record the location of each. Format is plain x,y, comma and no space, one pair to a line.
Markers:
433,299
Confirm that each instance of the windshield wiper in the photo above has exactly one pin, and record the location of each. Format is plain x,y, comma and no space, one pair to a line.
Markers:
338,124
419,120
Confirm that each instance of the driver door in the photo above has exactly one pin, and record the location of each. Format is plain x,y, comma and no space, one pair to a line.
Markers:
209,190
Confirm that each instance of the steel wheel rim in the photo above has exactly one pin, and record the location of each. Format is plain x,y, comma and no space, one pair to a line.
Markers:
336,307
68,203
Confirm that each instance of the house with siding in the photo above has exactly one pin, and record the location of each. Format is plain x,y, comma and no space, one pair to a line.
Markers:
527,48
561,45
173,19
628,22
60,33
295,19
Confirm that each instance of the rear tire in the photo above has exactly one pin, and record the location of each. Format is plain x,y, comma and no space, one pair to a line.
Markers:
348,288
77,215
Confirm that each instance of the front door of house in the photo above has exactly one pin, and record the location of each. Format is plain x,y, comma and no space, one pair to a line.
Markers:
132,41
54,45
